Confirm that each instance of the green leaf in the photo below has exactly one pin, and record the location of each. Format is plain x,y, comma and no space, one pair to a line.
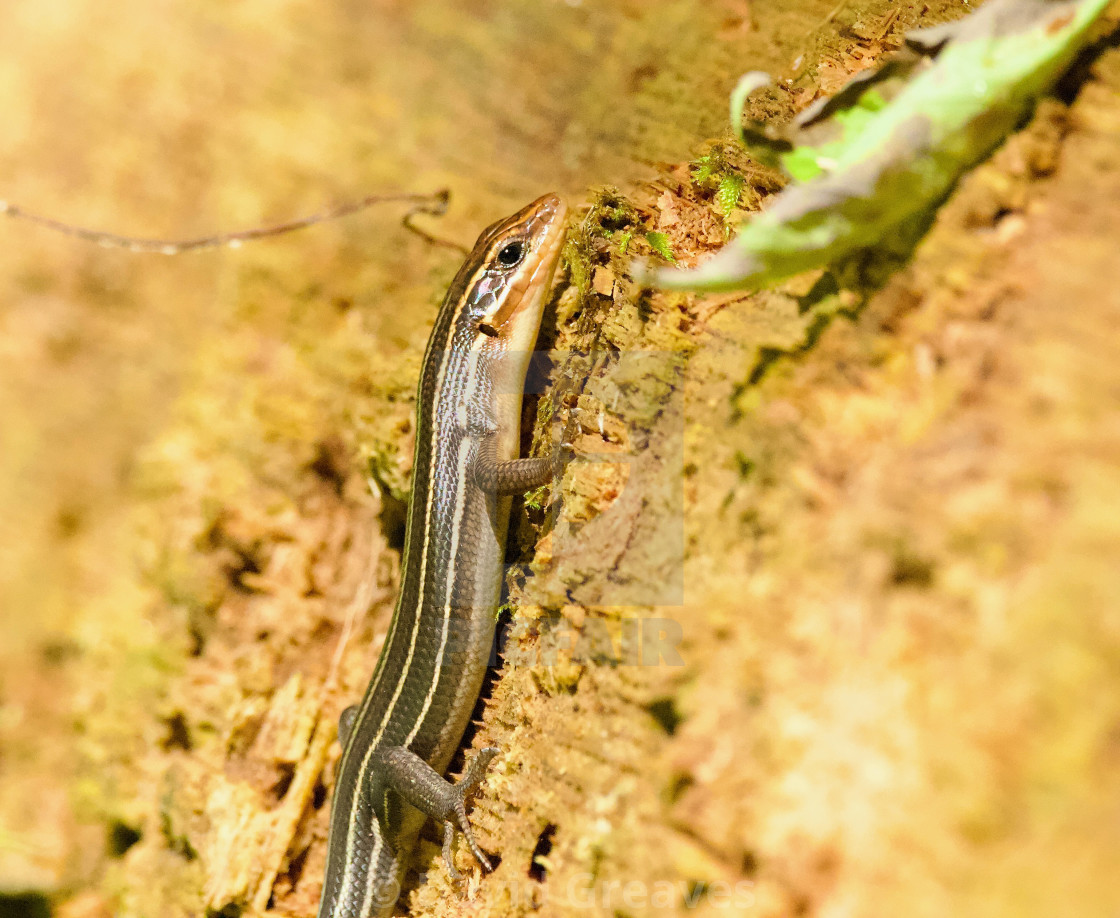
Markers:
894,160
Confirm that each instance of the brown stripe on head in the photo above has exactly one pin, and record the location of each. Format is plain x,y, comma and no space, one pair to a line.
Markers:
515,260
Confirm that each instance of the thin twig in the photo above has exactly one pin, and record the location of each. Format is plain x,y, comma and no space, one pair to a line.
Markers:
433,204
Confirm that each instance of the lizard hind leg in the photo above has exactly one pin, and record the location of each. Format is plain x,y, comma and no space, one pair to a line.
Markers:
433,795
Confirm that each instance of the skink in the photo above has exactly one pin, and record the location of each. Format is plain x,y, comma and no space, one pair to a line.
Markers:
399,740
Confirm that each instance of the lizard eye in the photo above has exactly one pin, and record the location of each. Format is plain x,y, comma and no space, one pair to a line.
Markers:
510,256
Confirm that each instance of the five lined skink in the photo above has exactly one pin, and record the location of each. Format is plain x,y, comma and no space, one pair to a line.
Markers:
399,740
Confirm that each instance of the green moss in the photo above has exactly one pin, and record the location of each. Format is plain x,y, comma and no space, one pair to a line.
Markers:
611,217
537,498
659,242
722,171
384,463
729,193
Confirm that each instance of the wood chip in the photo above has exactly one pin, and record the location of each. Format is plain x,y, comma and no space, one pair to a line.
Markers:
602,281
668,206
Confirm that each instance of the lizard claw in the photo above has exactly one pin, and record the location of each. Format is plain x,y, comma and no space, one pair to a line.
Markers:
473,776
